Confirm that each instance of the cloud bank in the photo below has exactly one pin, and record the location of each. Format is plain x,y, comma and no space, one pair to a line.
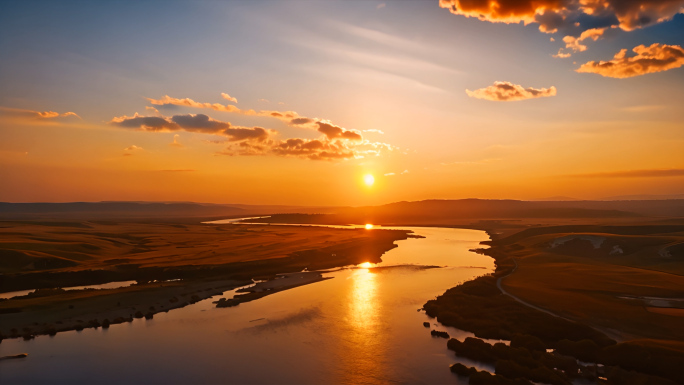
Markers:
506,92
554,14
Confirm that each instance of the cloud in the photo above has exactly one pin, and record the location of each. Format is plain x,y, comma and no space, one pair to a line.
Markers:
390,174
254,133
177,170
132,147
228,97
30,116
145,123
375,130
167,100
312,149
554,14
505,91
380,6
575,43
332,131
192,123
176,142
150,108
655,58
653,173
200,123
335,142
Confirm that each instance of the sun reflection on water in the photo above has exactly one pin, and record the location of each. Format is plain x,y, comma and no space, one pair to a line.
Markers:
363,352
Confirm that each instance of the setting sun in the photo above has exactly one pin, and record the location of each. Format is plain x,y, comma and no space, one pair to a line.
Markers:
366,265
369,179
368,226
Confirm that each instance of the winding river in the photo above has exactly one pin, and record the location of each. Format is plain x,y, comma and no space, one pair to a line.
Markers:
362,327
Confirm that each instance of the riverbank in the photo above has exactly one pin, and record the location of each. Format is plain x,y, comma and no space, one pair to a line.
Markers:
538,301
174,265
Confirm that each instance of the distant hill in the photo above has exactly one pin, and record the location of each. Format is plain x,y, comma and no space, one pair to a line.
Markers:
436,212
643,197
418,212
114,210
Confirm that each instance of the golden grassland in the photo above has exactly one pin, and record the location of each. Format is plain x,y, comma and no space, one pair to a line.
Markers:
73,246
209,259
601,287
600,292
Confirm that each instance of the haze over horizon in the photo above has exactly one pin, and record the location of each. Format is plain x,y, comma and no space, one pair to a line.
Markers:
296,103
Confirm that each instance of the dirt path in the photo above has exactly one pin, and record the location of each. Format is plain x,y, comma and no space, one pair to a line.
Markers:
614,334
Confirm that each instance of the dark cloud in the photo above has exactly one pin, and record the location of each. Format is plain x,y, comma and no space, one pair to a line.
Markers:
192,123
147,123
332,131
300,121
199,123
253,133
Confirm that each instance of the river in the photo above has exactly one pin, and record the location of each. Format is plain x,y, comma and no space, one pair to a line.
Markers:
361,327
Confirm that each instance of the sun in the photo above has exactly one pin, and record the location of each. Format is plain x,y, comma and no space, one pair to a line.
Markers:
365,265
369,179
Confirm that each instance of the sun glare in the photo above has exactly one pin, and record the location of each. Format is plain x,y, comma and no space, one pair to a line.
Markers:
368,226
366,265
369,180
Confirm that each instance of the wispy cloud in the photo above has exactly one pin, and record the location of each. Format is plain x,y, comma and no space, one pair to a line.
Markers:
652,173
176,142
506,91
228,97
30,116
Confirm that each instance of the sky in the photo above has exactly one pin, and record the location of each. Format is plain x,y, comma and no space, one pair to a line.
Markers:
295,102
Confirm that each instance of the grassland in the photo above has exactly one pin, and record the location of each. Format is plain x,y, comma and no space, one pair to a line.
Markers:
201,259
600,293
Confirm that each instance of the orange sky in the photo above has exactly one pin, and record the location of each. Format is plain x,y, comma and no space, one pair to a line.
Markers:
294,102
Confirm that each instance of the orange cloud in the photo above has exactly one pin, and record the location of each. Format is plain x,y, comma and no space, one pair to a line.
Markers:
291,118
552,14
132,147
313,149
575,43
228,97
167,100
332,131
506,91
30,115
656,58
